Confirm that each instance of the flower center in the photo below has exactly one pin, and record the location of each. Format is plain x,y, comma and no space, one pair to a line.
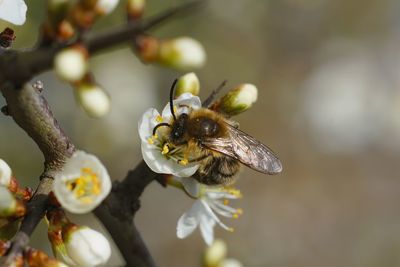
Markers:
86,186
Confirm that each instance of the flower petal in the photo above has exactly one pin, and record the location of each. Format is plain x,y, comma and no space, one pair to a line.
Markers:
147,124
13,11
207,224
186,99
192,187
188,222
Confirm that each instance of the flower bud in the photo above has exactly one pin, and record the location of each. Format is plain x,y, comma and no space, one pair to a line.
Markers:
83,184
9,206
5,174
182,53
238,99
230,263
135,8
188,83
86,247
105,7
71,64
215,254
37,258
93,99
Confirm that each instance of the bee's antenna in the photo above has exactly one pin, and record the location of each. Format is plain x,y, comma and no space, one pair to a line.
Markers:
171,98
159,125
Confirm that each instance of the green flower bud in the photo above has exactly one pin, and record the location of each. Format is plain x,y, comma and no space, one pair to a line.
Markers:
238,99
188,83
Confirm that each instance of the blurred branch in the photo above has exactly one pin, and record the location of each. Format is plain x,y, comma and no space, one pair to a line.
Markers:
118,210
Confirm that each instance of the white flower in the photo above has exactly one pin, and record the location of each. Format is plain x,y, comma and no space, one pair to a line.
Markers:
87,247
106,6
71,64
8,203
202,213
5,173
93,99
239,99
188,83
13,11
158,153
83,183
182,53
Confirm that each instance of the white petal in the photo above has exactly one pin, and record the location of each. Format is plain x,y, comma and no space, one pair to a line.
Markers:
72,170
147,124
192,187
88,247
207,224
13,11
186,99
5,173
189,221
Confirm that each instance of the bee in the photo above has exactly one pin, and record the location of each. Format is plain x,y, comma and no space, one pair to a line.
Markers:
217,145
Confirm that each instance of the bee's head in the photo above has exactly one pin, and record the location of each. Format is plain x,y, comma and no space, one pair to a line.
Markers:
179,129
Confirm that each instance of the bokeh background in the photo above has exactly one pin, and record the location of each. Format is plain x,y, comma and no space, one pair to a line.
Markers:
328,74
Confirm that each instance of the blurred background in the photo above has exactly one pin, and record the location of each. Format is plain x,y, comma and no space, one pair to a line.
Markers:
328,74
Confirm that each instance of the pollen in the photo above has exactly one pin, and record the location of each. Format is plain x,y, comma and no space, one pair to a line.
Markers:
239,211
85,186
165,149
235,216
183,162
150,141
226,202
230,229
234,192
159,119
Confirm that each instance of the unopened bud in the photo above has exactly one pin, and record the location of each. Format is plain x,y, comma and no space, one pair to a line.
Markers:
188,83
105,7
5,174
238,99
71,64
93,99
87,247
8,204
37,258
183,53
135,8
215,254
230,263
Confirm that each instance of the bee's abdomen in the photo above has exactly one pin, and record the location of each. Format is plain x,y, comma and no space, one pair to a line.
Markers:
217,171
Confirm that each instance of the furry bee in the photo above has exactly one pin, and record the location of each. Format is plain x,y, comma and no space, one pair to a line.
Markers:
218,145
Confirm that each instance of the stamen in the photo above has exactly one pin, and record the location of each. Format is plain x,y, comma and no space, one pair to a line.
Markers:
165,149
150,141
183,162
230,229
226,201
86,186
235,216
159,119
239,211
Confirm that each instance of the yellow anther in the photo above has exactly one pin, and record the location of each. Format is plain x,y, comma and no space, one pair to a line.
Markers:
150,141
226,201
183,162
239,211
155,136
159,119
165,149
231,230
234,192
235,216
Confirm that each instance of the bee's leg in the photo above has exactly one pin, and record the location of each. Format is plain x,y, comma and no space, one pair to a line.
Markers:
234,124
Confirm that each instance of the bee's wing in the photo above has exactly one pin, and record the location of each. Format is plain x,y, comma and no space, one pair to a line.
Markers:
246,149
